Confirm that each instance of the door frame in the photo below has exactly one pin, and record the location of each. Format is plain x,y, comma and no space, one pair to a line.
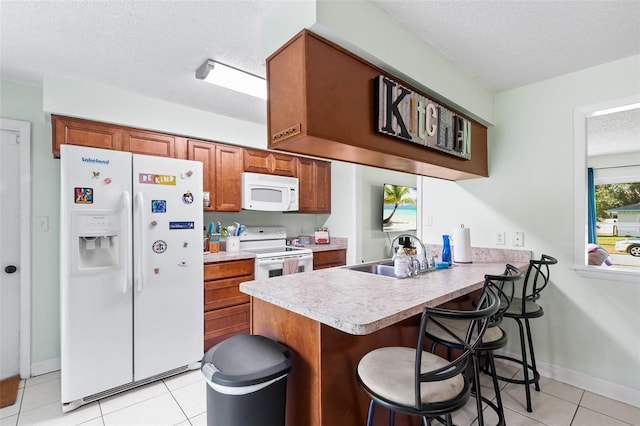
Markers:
23,128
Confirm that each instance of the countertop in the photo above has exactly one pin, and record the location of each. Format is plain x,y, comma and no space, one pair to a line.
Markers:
336,243
361,303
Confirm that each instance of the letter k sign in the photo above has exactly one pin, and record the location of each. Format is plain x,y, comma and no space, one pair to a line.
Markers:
392,108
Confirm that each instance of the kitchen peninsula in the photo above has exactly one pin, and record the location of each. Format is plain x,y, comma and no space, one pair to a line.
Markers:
330,318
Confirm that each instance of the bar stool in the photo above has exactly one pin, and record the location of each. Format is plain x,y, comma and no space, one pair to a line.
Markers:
494,338
522,309
418,383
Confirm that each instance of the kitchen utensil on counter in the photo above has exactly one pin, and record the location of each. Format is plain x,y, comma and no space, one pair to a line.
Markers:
321,235
304,240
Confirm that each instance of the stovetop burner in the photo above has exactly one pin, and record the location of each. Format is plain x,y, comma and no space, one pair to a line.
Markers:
269,241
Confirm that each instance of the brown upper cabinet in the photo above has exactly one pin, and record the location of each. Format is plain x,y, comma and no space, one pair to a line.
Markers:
222,164
321,104
74,131
221,169
149,143
314,178
273,163
94,134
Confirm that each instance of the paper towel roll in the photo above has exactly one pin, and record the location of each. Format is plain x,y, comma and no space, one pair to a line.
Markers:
461,240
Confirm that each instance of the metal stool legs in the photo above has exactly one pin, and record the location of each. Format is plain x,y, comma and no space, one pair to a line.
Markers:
524,362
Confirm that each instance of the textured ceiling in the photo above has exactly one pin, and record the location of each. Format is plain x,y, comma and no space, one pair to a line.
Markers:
617,133
153,47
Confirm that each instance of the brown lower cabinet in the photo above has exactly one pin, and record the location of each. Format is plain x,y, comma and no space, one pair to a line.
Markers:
329,258
226,309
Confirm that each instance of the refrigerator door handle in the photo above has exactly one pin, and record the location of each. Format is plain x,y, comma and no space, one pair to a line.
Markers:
126,204
139,267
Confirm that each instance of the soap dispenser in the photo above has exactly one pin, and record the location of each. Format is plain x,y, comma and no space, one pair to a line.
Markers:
400,263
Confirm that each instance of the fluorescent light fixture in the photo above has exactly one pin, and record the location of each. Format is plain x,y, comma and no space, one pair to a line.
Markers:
232,78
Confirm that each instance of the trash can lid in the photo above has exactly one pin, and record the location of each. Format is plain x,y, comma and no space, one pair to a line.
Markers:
244,360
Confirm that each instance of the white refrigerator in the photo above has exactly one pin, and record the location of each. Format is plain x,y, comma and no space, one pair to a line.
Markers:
131,270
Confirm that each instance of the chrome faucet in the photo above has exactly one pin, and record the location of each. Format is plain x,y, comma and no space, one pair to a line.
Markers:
418,266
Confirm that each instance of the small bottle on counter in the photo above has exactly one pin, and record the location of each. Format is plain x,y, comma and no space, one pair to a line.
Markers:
401,263
446,249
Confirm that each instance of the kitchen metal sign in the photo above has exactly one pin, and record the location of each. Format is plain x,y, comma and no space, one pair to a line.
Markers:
410,116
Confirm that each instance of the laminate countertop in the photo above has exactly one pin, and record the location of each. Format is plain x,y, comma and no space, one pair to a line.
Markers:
361,303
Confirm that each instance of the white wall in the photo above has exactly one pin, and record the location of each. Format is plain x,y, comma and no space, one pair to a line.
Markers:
375,243
23,102
590,326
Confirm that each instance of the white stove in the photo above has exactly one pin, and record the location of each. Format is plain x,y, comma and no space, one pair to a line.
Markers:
273,256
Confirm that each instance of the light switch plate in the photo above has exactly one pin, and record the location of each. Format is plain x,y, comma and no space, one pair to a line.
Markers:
41,223
499,238
518,239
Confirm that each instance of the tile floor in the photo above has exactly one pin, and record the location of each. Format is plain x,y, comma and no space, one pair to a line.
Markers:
181,400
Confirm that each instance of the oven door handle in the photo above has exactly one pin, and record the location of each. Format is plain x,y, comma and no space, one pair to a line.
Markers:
275,262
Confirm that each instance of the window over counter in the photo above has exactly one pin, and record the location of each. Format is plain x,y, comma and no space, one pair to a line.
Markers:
607,190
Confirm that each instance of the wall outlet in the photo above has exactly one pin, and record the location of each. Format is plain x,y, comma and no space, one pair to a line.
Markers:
518,239
500,238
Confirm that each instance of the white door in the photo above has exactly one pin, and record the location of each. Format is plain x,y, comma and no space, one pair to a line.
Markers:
15,235
168,293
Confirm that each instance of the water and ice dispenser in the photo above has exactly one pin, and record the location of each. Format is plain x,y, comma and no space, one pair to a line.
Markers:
96,240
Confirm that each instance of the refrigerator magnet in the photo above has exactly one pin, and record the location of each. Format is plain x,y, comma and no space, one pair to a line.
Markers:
182,264
83,195
187,197
159,247
96,175
107,181
181,225
158,206
156,271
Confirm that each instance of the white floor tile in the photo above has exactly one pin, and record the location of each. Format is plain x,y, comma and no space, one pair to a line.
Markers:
561,390
9,421
586,417
200,420
134,396
547,409
94,422
184,379
159,411
51,414
35,380
192,398
14,409
611,408
40,393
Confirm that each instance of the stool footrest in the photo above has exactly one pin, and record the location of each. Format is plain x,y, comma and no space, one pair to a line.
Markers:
532,380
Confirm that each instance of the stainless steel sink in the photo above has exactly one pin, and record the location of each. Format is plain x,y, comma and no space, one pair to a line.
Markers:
379,268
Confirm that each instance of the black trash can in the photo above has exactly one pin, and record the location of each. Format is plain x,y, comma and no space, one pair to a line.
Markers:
246,381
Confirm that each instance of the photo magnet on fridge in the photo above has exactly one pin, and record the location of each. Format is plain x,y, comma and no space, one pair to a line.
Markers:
83,195
158,206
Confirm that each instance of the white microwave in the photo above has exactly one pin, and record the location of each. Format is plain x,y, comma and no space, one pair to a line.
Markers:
269,193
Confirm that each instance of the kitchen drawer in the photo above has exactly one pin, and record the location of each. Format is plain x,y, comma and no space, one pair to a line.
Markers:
222,323
329,259
229,269
224,293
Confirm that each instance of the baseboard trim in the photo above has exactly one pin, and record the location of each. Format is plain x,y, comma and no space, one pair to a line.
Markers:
44,367
583,381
